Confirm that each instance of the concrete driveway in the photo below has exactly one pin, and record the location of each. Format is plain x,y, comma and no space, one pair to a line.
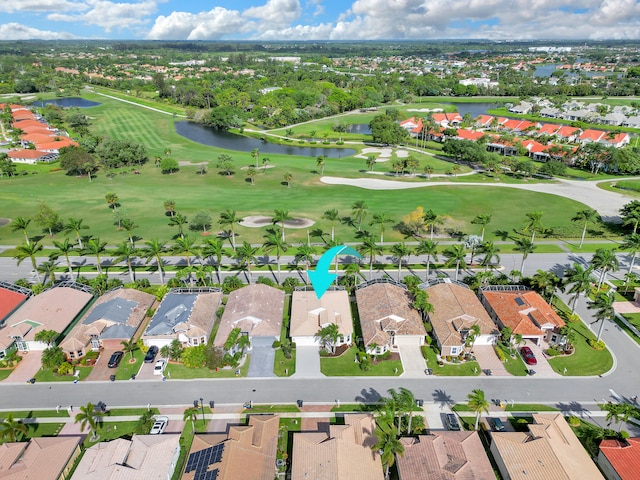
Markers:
27,368
308,362
101,370
542,369
263,357
489,362
412,361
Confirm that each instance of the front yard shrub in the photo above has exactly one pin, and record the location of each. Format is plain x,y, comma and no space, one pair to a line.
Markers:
501,356
599,345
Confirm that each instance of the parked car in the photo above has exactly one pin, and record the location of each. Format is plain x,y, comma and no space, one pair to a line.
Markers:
158,369
528,356
497,425
114,361
151,354
452,422
159,425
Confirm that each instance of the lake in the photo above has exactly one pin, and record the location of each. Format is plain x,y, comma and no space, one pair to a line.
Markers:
474,109
230,141
362,128
68,102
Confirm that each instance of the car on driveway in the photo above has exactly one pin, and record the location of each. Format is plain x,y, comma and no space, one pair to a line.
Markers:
159,425
151,354
496,425
114,361
452,422
158,368
528,356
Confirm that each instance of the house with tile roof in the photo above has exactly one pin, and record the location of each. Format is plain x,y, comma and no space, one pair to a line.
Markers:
114,317
484,120
54,309
144,457
44,458
591,135
387,317
617,140
310,314
464,134
569,133
549,450
246,452
444,455
619,459
31,157
456,309
257,311
447,119
524,311
548,129
185,314
344,452
11,298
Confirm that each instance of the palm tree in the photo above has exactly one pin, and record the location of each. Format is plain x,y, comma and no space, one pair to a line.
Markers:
603,305
388,445
320,163
281,216
631,244
187,245
255,153
21,223
399,251
456,255
477,403
95,247
287,178
28,250
214,247
380,219
605,260
328,337
472,336
359,211
525,247
430,249
178,220
154,249
421,303
191,413
545,283
273,241
371,248
229,217
332,216
89,416
482,220
490,252
580,280
112,199
585,217
129,225
170,207
305,254
126,252
431,219
246,255
371,162
48,268
75,225
533,223
129,346
63,249
11,430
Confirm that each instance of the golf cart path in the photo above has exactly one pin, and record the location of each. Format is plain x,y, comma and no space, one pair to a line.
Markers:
607,203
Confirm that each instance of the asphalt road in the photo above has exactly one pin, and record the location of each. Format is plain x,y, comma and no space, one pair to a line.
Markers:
570,393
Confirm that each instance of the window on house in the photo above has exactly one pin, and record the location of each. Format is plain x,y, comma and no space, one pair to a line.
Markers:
202,340
454,350
194,341
80,353
72,355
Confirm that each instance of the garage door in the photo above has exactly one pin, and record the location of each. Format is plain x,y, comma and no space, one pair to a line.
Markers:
305,342
409,340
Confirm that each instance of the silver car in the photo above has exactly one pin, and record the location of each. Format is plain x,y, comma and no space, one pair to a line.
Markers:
159,425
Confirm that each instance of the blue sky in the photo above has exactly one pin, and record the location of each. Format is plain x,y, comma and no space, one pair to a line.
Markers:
319,19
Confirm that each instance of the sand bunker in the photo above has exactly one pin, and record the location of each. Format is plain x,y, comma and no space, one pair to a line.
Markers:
384,153
191,164
4,221
257,221
425,110
261,167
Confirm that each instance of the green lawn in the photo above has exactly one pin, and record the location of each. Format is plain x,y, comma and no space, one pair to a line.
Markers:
447,370
353,407
5,372
44,429
585,360
272,409
633,319
307,197
125,412
530,407
345,365
284,367
514,365
126,368
574,246
179,371
48,375
36,413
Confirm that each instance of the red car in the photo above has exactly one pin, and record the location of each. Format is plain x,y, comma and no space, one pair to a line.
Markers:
528,356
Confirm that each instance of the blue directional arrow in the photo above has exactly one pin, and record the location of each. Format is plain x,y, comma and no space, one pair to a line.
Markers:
320,277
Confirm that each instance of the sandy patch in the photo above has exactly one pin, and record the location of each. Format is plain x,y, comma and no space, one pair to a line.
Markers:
402,153
425,110
257,168
4,221
257,221
184,163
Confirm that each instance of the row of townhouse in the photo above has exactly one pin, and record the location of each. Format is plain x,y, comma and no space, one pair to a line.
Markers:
39,141
575,110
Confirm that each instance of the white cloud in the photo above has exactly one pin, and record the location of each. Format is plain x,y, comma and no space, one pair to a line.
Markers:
15,31
211,25
39,6
275,13
110,15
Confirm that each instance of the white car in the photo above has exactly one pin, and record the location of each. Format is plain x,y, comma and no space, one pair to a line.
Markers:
158,369
159,425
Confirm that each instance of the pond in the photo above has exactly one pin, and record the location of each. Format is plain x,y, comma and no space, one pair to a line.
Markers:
68,102
230,141
362,128
474,109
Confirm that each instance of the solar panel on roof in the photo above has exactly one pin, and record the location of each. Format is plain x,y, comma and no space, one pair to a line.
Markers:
200,461
519,301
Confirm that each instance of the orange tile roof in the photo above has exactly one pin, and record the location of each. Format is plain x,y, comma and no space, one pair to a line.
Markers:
524,312
484,119
549,128
624,456
567,131
63,142
43,458
512,124
9,300
27,153
38,137
593,135
469,134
